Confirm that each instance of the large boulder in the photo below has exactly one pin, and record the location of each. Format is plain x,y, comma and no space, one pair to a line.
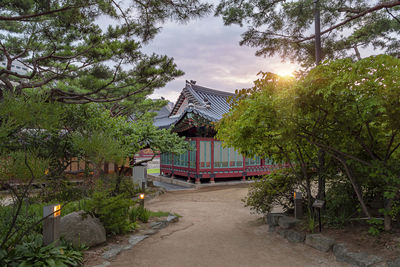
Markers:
320,242
81,228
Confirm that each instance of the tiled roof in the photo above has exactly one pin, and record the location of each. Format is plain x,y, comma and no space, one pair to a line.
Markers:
208,103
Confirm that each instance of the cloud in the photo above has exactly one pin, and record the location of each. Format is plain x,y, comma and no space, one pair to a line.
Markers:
209,52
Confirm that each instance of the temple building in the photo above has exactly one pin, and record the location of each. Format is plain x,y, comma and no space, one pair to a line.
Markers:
193,115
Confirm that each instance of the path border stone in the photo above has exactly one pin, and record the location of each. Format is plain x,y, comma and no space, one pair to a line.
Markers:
283,225
113,250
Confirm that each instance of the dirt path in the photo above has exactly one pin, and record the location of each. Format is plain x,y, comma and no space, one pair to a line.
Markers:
216,230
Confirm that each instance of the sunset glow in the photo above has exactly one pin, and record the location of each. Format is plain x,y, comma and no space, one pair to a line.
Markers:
285,72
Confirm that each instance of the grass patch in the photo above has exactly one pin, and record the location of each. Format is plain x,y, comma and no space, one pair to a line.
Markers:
159,213
153,171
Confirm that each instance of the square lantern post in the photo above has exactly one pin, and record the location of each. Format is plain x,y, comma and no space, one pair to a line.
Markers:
51,224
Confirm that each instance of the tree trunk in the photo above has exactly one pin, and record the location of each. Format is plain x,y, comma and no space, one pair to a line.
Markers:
387,217
321,175
355,187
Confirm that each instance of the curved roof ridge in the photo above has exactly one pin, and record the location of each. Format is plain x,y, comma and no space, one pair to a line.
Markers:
211,91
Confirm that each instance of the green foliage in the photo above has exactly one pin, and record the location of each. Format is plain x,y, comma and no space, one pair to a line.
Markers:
113,211
310,221
62,190
32,253
285,28
376,226
274,189
347,111
341,204
72,59
140,213
159,213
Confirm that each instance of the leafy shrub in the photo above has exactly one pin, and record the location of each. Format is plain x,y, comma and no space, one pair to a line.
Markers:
273,189
32,253
62,190
341,203
376,226
26,222
140,213
113,211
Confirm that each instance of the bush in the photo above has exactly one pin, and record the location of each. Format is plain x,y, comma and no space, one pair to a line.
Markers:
62,190
273,189
341,203
25,223
113,211
32,253
140,213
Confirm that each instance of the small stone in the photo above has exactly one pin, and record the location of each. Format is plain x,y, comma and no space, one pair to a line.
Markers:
112,252
357,259
287,222
104,264
158,225
273,218
149,232
282,232
395,263
172,218
295,236
320,242
133,240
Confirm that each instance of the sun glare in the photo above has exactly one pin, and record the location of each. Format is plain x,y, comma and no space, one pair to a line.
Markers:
285,73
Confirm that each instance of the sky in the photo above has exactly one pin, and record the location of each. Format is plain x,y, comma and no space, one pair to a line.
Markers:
209,53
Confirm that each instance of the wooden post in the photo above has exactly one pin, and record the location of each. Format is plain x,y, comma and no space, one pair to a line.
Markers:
298,206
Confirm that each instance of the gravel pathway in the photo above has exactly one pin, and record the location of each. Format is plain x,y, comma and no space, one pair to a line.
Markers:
216,230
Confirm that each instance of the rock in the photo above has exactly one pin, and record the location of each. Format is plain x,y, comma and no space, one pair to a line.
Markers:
320,242
356,259
272,219
112,252
104,264
271,228
282,232
149,232
133,240
172,218
81,228
158,225
286,222
295,236
395,263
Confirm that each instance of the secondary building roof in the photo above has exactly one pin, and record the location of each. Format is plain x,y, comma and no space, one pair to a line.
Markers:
207,103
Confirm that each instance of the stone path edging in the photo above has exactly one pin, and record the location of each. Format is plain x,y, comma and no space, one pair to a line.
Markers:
283,225
113,250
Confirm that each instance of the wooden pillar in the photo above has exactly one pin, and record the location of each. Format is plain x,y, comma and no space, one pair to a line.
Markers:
212,162
197,175
172,166
106,165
